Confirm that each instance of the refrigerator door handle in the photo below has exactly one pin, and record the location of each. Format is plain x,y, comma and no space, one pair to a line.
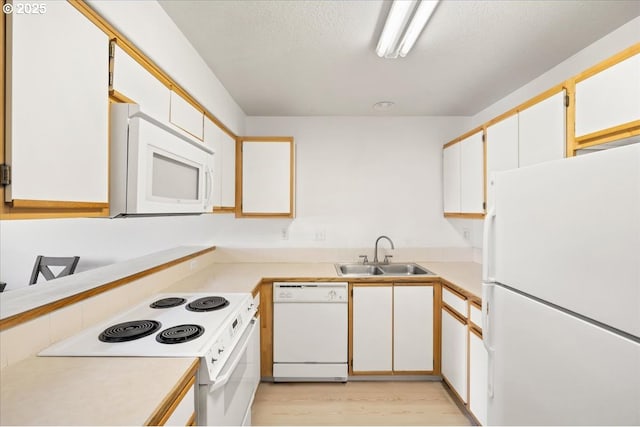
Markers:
487,303
487,245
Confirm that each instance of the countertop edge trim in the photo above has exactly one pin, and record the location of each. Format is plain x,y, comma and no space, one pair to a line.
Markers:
160,414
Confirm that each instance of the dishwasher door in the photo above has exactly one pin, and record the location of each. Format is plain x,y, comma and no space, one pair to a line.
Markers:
310,331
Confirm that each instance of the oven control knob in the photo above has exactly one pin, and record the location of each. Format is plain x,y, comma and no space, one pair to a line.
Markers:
220,350
213,360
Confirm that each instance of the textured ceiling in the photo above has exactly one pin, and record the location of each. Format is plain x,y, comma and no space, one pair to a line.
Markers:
300,58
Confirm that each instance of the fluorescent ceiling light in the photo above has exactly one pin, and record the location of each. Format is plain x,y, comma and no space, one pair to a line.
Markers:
403,26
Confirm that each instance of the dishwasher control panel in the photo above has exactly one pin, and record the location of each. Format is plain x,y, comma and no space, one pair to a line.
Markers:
336,292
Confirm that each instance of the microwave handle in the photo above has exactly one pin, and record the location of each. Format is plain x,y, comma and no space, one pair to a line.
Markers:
208,176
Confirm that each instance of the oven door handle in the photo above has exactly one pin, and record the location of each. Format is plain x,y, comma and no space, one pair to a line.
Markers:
240,349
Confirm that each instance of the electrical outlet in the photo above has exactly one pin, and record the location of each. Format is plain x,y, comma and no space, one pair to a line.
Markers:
193,264
284,234
466,233
321,235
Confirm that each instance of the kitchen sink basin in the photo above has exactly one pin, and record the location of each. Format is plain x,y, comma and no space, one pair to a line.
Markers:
358,270
404,269
395,269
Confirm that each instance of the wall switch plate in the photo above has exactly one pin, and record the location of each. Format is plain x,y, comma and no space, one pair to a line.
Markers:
466,233
321,235
284,234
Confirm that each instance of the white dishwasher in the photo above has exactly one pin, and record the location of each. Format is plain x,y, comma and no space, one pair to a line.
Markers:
310,331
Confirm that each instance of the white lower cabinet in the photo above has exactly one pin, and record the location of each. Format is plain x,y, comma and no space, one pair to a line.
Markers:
372,319
392,328
184,412
412,328
478,370
454,353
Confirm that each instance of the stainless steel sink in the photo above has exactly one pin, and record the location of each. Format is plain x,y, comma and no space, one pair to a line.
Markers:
358,270
404,269
395,269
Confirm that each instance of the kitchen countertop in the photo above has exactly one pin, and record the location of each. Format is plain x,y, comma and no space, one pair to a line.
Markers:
85,390
244,277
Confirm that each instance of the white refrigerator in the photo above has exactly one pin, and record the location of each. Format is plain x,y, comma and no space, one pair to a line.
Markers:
561,292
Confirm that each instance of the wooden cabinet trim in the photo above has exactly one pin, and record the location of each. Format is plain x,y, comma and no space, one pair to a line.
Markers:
573,143
455,291
453,313
622,131
465,215
609,62
145,61
25,316
266,328
473,328
175,396
464,136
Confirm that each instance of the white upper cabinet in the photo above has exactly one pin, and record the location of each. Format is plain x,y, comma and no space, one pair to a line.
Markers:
57,106
451,178
224,169
412,328
542,131
609,98
186,116
502,149
463,176
472,174
133,81
267,177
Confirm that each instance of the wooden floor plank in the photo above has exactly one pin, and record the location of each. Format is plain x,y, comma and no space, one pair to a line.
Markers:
355,403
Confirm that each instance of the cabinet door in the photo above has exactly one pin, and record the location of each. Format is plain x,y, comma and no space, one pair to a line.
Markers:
542,131
412,328
57,98
267,177
451,178
185,116
372,320
478,371
502,150
472,174
224,169
454,353
134,82
609,98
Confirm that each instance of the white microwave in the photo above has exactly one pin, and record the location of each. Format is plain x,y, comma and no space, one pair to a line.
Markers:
156,169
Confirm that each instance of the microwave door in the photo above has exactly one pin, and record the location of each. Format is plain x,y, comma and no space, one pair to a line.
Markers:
171,175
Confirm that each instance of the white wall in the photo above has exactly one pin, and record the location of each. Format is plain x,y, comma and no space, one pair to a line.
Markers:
147,26
360,177
357,178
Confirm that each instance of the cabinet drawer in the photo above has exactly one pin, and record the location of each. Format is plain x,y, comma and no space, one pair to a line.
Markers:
183,413
459,304
475,315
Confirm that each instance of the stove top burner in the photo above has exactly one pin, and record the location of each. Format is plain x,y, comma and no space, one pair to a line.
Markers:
129,331
179,334
208,304
168,302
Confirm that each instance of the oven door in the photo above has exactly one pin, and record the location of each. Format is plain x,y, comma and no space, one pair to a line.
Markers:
227,401
166,174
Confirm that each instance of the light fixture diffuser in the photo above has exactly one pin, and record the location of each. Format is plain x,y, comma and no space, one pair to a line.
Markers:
405,22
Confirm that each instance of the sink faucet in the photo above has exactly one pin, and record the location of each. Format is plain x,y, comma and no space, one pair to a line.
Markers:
375,253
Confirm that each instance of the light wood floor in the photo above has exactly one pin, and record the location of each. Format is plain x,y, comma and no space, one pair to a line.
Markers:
355,403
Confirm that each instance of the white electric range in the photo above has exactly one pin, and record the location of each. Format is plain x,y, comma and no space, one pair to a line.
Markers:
220,329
